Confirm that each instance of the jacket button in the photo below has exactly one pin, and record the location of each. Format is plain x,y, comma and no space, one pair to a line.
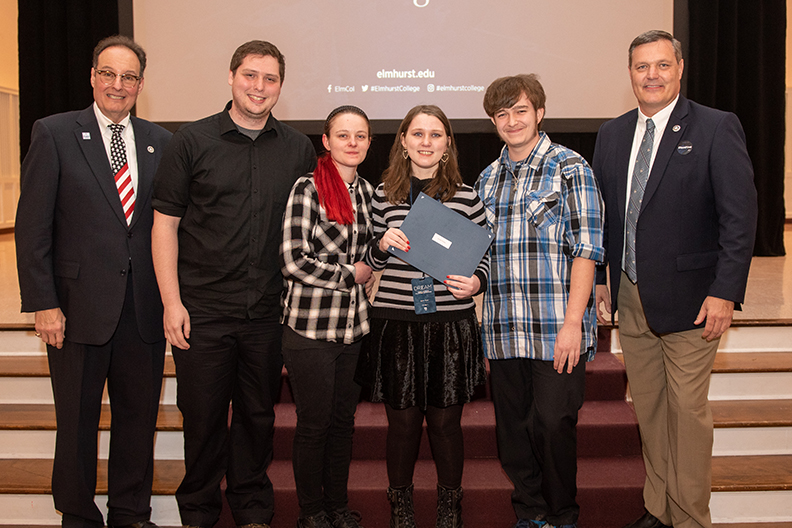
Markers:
123,272
129,235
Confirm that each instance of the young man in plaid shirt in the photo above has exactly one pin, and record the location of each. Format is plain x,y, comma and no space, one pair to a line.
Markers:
538,321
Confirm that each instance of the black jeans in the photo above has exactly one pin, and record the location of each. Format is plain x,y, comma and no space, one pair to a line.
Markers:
536,411
321,376
229,360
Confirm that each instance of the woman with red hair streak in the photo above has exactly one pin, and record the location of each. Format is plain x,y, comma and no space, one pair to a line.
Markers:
326,229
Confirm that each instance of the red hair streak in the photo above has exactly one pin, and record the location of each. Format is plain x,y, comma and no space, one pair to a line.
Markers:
332,191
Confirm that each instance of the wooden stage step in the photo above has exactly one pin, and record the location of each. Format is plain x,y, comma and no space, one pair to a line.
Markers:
754,525
752,413
605,427
483,481
33,416
36,366
738,473
727,413
725,362
736,362
487,490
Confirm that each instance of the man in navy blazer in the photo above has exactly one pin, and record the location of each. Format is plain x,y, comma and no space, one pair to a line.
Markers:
84,262
679,247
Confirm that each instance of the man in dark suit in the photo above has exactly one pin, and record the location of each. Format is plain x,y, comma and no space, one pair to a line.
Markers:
83,238
679,233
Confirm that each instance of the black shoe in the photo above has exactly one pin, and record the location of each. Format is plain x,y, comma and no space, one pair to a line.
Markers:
320,520
345,518
647,520
139,524
402,509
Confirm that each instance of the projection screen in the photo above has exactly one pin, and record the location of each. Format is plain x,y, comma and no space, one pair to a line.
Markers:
389,55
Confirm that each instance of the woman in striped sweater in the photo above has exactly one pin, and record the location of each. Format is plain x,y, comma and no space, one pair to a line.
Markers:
422,365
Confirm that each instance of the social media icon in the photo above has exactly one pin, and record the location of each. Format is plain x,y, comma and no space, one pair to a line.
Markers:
430,88
329,88
364,87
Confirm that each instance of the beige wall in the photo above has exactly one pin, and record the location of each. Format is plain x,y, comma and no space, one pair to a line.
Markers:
9,55
9,113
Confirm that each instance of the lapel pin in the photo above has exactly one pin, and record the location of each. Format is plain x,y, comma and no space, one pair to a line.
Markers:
150,149
676,128
86,135
685,147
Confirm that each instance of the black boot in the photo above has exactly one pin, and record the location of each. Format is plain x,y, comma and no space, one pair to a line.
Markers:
402,512
449,507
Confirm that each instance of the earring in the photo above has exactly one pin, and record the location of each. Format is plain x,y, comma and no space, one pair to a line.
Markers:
405,155
444,157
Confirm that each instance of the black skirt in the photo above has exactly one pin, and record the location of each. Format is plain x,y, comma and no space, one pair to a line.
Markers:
408,363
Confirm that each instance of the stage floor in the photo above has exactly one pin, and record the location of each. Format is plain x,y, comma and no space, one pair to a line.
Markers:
768,298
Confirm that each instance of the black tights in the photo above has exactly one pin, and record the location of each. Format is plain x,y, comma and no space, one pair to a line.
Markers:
404,441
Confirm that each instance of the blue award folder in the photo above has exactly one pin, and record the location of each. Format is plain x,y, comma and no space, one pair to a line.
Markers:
442,241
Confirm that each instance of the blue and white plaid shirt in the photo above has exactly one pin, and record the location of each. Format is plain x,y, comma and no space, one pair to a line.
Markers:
545,211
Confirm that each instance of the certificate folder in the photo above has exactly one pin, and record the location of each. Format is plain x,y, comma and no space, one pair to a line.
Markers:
442,241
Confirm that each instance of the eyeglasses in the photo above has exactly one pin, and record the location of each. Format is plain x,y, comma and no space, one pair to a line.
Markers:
127,79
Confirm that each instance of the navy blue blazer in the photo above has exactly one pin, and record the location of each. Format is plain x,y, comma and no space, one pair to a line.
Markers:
696,228
74,248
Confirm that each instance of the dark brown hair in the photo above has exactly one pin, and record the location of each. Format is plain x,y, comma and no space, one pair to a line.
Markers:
504,92
258,47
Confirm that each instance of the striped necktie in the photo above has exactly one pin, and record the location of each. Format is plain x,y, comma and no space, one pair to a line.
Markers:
639,178
123,176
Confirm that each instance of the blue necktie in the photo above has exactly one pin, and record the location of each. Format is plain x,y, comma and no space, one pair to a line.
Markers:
639,178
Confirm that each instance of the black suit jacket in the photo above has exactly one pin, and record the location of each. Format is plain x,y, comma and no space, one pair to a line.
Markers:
74,248
696,228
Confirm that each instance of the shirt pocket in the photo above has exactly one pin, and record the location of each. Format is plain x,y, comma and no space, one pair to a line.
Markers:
542,208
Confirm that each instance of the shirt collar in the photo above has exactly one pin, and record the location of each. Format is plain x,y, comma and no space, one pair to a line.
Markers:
534,159
660,119
105,121
227,124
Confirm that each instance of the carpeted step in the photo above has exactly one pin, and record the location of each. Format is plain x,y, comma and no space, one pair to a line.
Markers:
605,428
605,378
487,492
610,481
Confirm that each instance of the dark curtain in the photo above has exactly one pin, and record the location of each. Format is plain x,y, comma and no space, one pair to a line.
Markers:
736,62
56,41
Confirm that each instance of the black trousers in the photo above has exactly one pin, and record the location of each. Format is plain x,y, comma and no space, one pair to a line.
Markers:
536,411
321,375
133,372
238,362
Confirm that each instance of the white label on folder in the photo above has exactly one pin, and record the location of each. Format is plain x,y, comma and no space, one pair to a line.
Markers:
442,241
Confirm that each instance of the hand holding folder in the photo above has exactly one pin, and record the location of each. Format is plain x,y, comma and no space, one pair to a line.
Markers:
442,241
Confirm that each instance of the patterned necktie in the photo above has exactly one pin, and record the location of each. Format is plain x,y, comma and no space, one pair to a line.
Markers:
123,176
639,178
